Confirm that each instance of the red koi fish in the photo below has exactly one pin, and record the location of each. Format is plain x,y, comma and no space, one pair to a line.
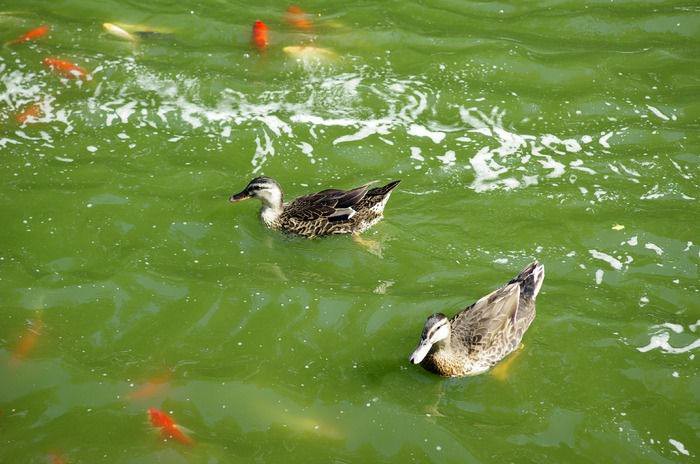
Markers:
31,35
65,68
151,388
28,341
168,427
30,114
259,38
298,18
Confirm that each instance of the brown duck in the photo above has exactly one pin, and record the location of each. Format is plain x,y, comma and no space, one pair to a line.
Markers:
327,212
478,337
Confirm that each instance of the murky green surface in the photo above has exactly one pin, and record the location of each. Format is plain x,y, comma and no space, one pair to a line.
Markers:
520,131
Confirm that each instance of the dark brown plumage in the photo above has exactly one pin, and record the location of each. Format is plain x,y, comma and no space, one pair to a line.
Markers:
328,212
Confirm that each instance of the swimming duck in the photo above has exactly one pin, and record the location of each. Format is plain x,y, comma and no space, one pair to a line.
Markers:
327,212
481,335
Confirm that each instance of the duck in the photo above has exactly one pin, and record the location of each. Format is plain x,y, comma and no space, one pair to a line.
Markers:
481,335
328,212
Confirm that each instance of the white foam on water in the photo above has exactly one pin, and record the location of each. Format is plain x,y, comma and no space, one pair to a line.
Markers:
448,159
661,341
599,276
369,128
654,247
677,328
486,170
657,112
632,241
652,194
603,140
308,150
421,131
693,327
124,112
614,262
508,144
416,154
680,447
263,149
402,110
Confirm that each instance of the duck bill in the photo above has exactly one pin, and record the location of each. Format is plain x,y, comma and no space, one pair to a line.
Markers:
421,352
239,197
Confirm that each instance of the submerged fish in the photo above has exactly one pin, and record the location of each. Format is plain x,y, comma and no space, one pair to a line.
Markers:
119,32
28,340
308,54
168,427
30,114
259,38
57,458
298,18
151,388
34,34
66,68
144,29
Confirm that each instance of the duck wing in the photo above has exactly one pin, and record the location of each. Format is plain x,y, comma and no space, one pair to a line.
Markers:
481,324
330,204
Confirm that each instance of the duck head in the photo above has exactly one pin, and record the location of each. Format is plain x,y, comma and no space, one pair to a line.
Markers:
264,188
268,192
436,329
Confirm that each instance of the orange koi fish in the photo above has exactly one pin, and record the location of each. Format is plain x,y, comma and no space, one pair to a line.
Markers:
30,113
298,18
259,38
168,427
28,341
65,68
151,388
57,458
31,35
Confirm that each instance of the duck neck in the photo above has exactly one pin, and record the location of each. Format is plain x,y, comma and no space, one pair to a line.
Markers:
272,207
444,346
270,213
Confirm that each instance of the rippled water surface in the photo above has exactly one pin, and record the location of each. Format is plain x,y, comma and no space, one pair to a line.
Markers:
562,131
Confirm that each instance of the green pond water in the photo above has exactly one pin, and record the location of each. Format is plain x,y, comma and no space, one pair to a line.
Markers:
520,131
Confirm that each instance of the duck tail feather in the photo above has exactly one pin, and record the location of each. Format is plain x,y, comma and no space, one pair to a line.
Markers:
384,189
530,280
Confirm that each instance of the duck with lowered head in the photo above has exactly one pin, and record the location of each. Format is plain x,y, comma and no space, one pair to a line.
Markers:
327,212
478,337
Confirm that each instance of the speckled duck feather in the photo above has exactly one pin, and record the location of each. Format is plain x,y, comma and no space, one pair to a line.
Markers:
488,330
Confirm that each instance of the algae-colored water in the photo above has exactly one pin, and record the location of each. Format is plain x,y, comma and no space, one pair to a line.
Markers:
562,131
